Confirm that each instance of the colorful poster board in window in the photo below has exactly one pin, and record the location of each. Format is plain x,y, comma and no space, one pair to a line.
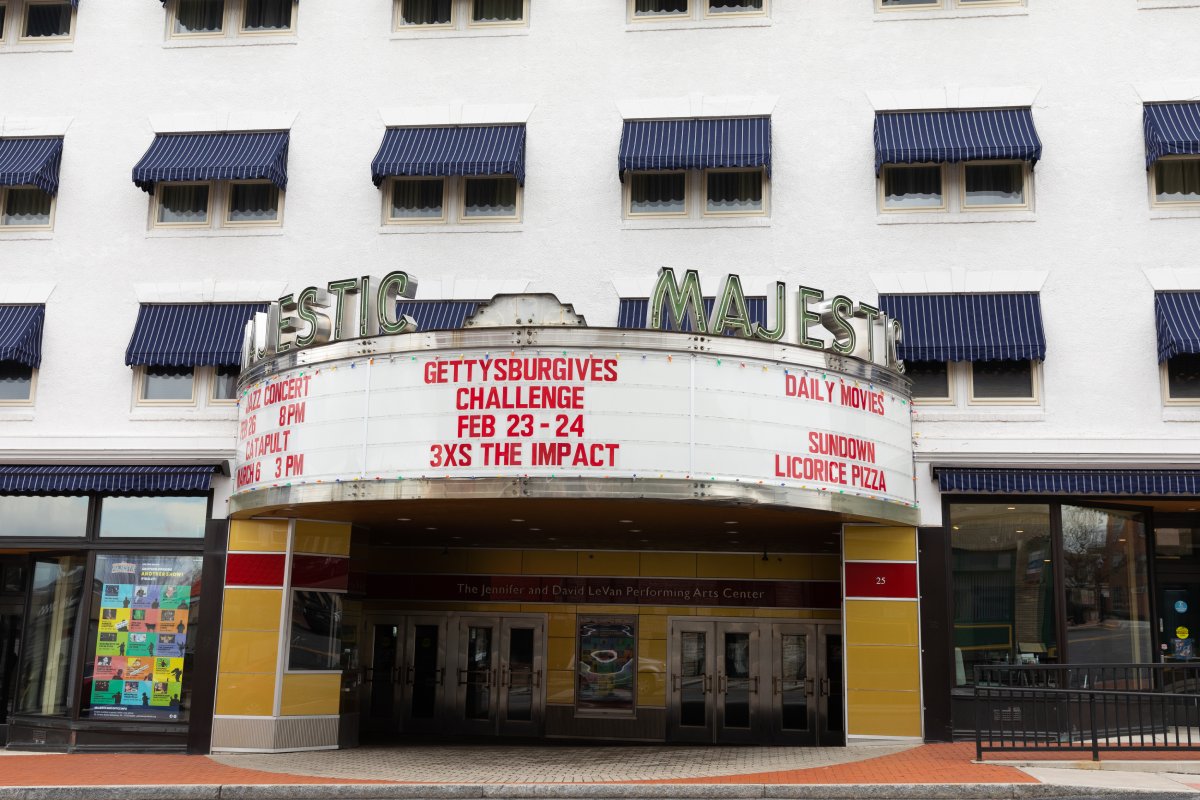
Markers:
607,666
142,632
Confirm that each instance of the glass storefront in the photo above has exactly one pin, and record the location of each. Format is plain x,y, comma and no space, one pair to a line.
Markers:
53,621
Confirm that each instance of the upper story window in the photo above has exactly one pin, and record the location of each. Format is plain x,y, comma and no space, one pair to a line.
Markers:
37,22
1173,153
1177,321
20,352
215,19
459,14
937,5
28,183
226,204
667,10
955,161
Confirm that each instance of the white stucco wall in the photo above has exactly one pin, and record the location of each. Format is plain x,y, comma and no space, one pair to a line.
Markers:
825,65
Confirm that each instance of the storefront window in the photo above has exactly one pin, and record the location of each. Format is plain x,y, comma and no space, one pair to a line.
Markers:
141,645
607,666
46,675
1003,581
1177,544
316,636
153,517
1105,572
43,516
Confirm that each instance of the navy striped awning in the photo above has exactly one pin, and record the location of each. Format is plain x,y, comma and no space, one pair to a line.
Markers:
214,157
917,137
1172,129
1112,482
21,334
78,479
968,327
632,312
1177,320
438,315
465,150
202,335
31,162
695,144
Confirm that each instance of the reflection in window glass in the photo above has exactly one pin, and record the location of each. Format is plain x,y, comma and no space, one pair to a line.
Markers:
182,205
425,12
268,15
607,665
912,187
1177,543
1002,380
315,638
994,185
46,673
657,193
1105,570
659,8
253,202
225,383
1003,584
26,207
199,16
1183,377
153,517
931,379
734,192
497,10
1177,180
490,197
47,20
734,6
167,383
419,198
43,516
16,381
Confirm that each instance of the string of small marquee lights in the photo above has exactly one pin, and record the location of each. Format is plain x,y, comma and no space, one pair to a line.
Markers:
669,358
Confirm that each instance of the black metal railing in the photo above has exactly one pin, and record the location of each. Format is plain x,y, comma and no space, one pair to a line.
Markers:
1093,708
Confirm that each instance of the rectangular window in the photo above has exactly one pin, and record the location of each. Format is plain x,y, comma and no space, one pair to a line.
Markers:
927,5
47,20
224,384
43,516
497,12
993,185
730,192
651,9
658,194
1176,181
198,18
725,7
45,676
913,188
490,198
252,203
16,383
418,200
183,204
167,385
314,640
931,380
1003,586
267,16
607,677
1181,378
153,517
26,207
1003,381
3,19
425,12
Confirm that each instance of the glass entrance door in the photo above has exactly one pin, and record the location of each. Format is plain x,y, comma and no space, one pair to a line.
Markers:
423,673
521,670
381,680
794,684
738,681
499,686
690,666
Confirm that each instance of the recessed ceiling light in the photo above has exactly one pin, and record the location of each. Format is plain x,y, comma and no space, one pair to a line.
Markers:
516,519
643,541
635,530
1020,531
1012,508
731,522
734,532
625,521
535,529
431,529
1191,509
403,519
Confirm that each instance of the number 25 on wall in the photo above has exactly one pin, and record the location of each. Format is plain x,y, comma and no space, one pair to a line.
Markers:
880,580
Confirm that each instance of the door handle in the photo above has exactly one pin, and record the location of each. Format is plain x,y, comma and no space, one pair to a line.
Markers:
537,678
722,684
462,677
754,685
825,687
439,675
409,675
491,677
810,686
775,685
676,683
505,678
708,683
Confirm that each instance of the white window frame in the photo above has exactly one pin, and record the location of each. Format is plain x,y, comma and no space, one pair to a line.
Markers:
211,380
1152,173
49,226
765,211
695,196
240,11
881,184
172,15
23,6
961,385
1026,186
468,5
698,10
139,386
219,194
1164,377
233,24
689,178
943,5
31,399
1035,380
707,13
951,397
155,205
954,190
227,206
460,19
454,197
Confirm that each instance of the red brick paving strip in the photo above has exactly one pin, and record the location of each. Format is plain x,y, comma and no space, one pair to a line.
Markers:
96,769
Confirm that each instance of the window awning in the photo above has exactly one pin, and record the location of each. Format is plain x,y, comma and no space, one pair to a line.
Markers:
76,479
214,157
438,152
438,315
31,162
916,137
631,314
695,144
1172,129
21,334
202,335
968,327
1111,482
1177,320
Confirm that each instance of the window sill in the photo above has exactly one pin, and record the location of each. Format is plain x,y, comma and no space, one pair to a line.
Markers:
978,414
38,47
695,25
482,227
694,224
230,41
16,414
1181,413
184,414
1191,212
1149,5
952,13
464,33
28,236
211,233
954,218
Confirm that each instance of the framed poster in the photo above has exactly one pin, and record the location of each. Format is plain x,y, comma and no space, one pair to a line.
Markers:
606,681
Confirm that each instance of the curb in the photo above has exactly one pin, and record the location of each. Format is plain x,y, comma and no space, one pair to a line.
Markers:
937,791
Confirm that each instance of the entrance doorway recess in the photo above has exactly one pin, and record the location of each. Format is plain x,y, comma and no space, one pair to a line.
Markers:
734,681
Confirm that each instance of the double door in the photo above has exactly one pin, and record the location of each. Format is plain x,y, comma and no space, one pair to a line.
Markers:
736,681
455,673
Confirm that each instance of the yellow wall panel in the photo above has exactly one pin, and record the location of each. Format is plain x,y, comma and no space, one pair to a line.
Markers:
881,622
562,624
251,609
426,560
864,543
310,694
494,562
883,668
249,651
325,538
269,536
724,565
245,695
725,612
826,568
883,713
822,614
549,562
668,565
606,562
652,689
790,567
783,613
605,610
560,653
652,655
560,687
652,626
